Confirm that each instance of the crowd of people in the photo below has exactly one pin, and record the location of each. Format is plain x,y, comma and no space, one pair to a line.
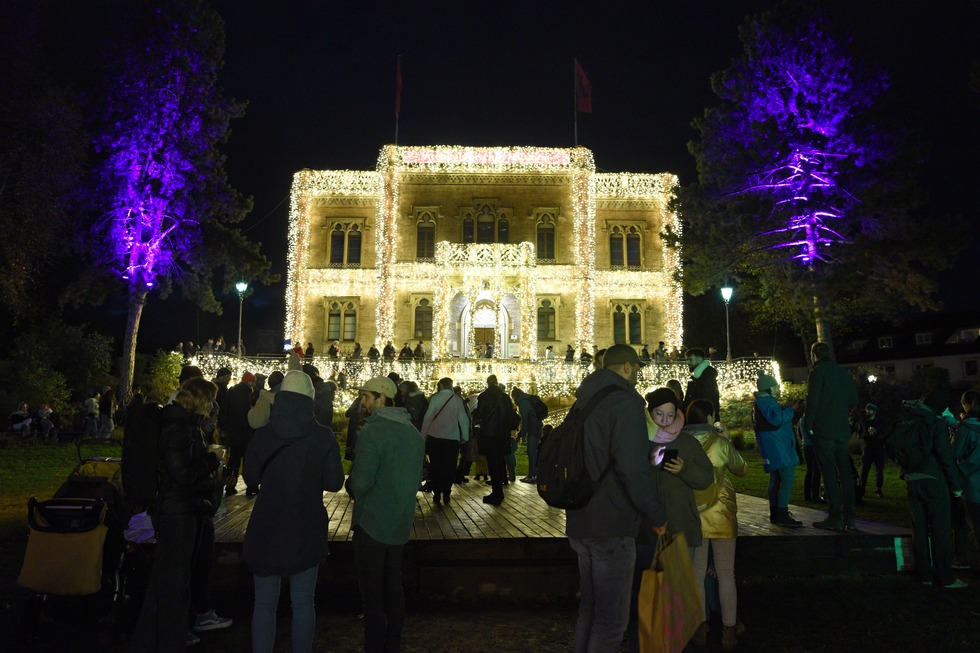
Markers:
669,456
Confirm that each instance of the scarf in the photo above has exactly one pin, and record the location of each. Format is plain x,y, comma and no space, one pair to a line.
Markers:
659,435
699,370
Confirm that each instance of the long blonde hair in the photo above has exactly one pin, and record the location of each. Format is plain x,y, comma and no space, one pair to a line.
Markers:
197,395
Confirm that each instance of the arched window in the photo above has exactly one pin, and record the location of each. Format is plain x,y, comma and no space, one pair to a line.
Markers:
337,238
627,322
425,241
485,228
503,230
345,244
341,320
546,320
354,246
423,320
469,230
616,249
634,325
625,246
546,241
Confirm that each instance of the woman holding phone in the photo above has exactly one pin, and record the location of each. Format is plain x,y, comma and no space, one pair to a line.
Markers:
680,467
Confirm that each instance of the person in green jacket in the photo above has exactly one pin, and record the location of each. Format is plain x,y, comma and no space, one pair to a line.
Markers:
831,395
383,483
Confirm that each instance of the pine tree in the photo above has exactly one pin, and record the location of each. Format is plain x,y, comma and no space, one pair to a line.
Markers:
805,194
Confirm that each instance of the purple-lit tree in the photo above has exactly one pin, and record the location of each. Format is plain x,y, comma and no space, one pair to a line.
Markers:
167,209
804,194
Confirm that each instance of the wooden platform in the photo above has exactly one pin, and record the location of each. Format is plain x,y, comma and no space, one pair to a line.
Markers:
519,548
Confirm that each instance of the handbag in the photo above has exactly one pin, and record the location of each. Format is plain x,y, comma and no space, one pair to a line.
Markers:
669,608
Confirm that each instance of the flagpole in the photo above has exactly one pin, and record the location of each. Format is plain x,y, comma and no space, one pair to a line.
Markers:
575,96
398,95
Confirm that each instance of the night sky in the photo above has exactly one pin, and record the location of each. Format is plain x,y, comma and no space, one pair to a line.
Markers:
319,79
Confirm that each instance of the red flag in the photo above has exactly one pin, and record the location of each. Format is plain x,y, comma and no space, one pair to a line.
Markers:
398,87
583,89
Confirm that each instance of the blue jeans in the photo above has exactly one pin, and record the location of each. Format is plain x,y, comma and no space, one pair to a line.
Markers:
532,453
301,588
781,486
605,568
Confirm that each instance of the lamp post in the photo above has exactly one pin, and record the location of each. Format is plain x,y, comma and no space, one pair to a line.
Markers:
726,294
241,287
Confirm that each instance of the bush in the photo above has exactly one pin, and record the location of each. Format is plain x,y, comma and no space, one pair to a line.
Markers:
161,381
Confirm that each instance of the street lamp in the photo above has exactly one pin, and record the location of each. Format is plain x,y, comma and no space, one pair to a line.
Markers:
241,287
726,294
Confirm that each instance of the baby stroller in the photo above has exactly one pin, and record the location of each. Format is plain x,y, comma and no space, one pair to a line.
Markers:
76,551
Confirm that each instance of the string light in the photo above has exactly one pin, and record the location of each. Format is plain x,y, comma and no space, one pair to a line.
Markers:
498,269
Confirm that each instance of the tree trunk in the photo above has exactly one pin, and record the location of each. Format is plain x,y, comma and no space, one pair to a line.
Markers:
823,326
137,299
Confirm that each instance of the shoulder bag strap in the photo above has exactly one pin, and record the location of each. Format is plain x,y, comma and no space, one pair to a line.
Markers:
587,410
275,453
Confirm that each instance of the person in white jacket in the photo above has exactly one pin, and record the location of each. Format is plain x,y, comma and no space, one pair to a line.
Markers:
445,426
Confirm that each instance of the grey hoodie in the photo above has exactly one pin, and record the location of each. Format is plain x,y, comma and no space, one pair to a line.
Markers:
629,490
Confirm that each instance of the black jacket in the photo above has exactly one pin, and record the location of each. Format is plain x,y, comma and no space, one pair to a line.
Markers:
704,387
187,483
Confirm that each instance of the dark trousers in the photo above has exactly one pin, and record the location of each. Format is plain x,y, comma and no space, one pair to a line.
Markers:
201,566
442,465
929,503
163,621
835,466
873,455
811,484
497,467
379,576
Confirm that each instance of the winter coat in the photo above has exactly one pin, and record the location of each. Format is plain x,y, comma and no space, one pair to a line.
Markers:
939,464
288,528
186,468
493,414
966,451
677,490
446,417
324,392
717,504
616,424
705,386
416,404
778,448
531,426
386,475
233,417
831,394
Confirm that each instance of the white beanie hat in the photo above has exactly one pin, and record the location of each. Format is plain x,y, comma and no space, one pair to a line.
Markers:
298,382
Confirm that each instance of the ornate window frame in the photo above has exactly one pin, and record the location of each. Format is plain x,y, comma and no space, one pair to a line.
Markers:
348,226
626,228
415,302
628,308
556,306
346,328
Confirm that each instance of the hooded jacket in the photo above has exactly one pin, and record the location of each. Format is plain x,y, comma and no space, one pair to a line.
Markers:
386,475
778,447
287,532
629,489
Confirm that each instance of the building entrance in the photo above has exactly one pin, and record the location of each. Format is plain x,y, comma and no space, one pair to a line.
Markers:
483,335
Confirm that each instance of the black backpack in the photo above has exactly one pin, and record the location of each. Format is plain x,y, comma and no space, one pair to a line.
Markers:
563,479
907,441
139,455
540,408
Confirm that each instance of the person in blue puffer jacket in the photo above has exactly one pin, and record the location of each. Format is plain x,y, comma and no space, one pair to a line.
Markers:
777,444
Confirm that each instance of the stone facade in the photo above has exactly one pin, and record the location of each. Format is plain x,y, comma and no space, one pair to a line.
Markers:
460,247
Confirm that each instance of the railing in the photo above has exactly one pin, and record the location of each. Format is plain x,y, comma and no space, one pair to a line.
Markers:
553,378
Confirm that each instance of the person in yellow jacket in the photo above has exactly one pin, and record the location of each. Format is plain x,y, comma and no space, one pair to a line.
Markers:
719,523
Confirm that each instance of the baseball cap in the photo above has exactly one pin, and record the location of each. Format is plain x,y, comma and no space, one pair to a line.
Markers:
382,385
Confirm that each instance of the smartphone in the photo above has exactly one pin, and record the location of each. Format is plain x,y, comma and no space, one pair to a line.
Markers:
669,455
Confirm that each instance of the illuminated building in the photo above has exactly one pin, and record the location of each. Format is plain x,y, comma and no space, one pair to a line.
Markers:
458,247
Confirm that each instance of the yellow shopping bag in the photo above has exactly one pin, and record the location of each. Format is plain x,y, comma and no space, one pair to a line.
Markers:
669,607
